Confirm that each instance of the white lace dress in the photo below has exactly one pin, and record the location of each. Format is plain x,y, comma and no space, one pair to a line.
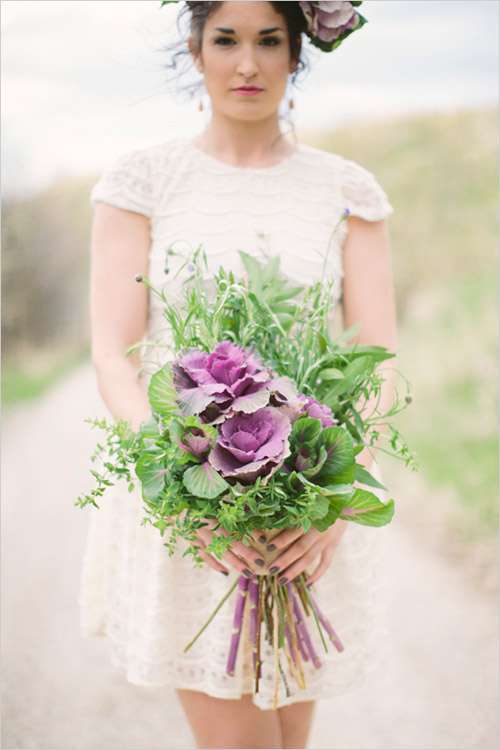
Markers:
147,604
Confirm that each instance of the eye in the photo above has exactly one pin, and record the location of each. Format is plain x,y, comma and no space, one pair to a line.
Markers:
222,39
274,41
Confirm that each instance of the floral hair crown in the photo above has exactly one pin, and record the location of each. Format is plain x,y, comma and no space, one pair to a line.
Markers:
328,23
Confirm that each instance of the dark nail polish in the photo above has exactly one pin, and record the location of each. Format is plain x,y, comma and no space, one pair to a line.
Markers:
283,580
271,547
260,562
224,572
274,569
262,538
247,573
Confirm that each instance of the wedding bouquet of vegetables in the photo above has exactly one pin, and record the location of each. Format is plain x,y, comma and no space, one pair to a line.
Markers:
254,425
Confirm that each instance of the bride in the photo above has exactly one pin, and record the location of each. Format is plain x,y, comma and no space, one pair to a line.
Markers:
239,184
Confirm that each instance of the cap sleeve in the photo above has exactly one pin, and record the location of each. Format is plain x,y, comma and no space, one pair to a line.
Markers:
126,183
363,195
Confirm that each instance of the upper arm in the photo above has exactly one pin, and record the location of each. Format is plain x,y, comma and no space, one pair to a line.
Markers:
120,242
368,296
368,286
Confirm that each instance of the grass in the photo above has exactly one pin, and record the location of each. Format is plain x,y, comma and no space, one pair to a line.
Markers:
31,377
447,352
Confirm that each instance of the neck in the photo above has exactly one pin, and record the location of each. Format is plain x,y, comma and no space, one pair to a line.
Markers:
244,143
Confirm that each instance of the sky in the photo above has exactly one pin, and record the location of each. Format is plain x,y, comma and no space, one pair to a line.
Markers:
84,81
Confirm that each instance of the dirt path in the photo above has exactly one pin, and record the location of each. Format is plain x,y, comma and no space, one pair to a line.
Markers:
60,692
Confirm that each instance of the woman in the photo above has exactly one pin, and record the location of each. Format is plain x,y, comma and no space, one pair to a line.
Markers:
240,184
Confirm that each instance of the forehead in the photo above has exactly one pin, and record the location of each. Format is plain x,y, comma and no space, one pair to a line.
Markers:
241,15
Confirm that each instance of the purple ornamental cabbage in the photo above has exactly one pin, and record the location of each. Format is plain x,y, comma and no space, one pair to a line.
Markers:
251,445
194,440
315,409
285,396
328,20
218,384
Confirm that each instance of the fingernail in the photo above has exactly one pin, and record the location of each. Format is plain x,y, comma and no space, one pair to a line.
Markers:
283,580
271,547
247,573
262,538
224,572
260,562
274,569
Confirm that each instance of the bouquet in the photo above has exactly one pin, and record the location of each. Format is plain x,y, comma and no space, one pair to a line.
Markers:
255,424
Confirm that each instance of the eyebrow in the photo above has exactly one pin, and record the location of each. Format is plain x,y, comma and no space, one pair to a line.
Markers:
264,31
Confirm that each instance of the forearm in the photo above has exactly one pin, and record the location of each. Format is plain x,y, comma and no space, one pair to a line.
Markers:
122,392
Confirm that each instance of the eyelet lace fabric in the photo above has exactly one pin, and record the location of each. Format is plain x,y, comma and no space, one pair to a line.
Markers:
147,604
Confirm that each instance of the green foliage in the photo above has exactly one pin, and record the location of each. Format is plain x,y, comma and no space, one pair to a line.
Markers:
287,326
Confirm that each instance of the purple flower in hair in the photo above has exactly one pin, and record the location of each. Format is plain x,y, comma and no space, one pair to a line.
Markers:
330,22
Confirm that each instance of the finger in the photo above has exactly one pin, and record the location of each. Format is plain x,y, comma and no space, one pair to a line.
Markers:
322,567
228,557
288,574
237,563
211,561
259,535
248,555
296,550
284,538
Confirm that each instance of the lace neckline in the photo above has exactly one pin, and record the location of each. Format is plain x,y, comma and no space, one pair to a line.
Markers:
235,168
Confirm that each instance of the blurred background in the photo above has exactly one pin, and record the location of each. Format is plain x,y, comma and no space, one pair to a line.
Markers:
414,98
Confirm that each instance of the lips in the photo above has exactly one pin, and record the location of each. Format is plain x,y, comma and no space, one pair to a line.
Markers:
248,88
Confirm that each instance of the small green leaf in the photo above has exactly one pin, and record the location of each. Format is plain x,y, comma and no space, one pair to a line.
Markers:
204,481
324,523
339,466
321,507
330,373
363,475
150,469
161,392
366,508
305,430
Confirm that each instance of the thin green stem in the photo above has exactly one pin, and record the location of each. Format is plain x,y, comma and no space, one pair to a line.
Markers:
212,615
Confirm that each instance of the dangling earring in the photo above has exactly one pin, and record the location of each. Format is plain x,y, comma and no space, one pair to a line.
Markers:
200,105
291,103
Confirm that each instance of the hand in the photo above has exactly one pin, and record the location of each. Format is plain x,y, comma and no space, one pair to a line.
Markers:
304,548
238,556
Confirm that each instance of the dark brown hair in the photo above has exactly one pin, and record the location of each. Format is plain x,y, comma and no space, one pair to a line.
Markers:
197,14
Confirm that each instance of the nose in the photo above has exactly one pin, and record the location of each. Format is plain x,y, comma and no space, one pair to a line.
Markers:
247,66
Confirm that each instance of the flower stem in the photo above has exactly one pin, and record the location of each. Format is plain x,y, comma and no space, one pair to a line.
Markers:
212,615
301,586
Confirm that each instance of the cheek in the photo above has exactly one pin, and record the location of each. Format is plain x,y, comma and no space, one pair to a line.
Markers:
277,66
219,72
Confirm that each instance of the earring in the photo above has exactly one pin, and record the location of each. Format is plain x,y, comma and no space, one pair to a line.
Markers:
291,103
200,105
